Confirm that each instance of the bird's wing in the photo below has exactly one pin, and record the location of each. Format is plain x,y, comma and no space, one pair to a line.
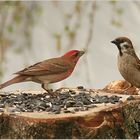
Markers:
138,63
47,67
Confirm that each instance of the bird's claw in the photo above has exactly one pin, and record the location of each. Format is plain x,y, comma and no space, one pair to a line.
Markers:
52,93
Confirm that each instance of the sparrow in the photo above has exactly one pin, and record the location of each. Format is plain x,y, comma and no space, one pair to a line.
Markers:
48,71
128,61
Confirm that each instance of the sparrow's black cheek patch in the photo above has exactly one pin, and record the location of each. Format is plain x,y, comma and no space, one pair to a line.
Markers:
120,53
126,46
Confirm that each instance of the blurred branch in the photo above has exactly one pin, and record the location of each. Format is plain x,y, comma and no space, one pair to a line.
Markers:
72,34
91,25
72,22
116,18
90,37
16,22
3,41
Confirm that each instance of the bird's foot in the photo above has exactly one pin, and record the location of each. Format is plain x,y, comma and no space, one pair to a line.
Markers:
52,93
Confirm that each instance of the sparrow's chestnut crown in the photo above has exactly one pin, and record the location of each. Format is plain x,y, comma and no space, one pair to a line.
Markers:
121,40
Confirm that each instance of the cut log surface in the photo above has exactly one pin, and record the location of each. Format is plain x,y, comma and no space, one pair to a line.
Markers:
103,120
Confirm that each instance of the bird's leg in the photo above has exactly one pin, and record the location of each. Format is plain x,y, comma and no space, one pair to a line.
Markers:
50,91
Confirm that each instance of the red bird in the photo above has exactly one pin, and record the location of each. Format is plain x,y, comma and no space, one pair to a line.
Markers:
48,71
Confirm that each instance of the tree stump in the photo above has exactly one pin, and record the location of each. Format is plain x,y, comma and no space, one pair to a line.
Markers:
105,121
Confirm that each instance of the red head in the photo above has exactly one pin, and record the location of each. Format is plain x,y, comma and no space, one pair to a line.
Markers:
74,54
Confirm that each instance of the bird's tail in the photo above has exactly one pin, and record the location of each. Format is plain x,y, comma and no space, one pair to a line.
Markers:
16,79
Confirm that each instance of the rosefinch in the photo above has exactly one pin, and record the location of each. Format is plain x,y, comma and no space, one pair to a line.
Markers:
48,71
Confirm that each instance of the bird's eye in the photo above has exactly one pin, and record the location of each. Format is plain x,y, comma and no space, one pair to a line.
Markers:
76,54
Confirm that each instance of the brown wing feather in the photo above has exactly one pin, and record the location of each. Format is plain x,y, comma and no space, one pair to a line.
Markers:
47,67
137,62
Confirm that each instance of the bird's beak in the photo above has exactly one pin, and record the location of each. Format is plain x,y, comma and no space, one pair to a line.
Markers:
81,53
114,42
